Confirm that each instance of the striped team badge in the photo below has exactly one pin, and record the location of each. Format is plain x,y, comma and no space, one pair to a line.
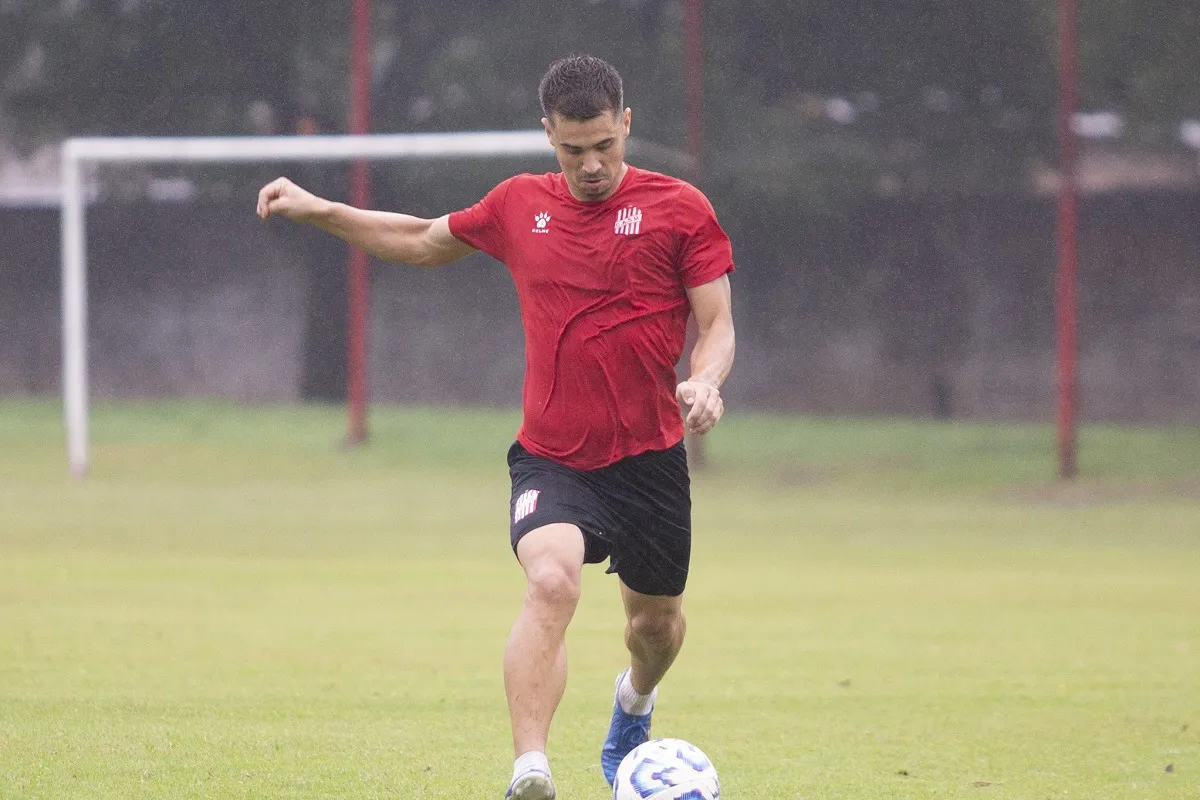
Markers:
629,221
526,504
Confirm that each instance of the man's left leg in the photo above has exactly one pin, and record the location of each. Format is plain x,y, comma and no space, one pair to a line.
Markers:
654,631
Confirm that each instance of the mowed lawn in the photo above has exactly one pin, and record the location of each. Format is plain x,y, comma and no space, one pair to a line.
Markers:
233,606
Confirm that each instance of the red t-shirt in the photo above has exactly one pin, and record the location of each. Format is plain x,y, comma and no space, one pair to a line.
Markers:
601,287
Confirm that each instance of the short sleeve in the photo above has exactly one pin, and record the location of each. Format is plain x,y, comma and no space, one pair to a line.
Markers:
705,253
480,226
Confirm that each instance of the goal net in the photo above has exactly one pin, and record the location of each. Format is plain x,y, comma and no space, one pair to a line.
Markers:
246,328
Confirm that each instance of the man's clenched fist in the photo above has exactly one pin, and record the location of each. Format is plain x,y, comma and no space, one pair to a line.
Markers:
283,198
703,404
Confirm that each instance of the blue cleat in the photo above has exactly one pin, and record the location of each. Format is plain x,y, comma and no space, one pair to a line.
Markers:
625,732
531,785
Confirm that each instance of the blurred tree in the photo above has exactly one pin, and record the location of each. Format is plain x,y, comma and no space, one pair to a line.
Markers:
883,96
158,67
1139,57
817,102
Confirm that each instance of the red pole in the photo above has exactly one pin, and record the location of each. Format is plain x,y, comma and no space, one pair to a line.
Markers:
1068,219
693,138
693,77
358,267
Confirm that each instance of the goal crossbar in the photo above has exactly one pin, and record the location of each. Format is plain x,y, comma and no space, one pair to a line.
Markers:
310,148
79,151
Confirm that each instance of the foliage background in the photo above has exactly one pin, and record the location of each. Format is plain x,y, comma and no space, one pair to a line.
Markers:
815,103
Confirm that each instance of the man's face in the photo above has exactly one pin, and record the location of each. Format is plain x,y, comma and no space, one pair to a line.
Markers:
591,152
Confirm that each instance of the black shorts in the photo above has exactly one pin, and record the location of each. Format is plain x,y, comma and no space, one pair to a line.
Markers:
637,512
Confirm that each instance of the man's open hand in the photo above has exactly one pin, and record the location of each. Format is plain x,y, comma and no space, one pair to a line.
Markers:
282,198
703,404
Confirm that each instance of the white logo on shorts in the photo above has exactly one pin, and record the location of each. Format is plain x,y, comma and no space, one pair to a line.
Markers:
526,504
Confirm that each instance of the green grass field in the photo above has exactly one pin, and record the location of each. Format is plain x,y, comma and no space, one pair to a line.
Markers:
231,606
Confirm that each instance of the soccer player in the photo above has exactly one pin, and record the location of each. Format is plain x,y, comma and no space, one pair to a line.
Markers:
608,261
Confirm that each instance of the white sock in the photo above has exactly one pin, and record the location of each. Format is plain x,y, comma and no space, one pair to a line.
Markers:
632,702
534,759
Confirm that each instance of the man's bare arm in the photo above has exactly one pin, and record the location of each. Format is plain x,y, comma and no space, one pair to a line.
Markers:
392,237
711,358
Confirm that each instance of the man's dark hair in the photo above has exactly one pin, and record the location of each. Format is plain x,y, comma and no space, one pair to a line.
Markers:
579,88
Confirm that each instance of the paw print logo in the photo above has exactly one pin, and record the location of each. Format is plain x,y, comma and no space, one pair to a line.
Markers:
542,221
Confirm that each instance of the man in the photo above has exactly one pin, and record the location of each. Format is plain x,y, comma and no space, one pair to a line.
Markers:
608,261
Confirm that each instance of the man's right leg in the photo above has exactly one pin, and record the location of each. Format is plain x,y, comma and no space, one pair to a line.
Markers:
535,658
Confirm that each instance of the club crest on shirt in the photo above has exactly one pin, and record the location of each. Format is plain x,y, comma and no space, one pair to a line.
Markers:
541,223
629,221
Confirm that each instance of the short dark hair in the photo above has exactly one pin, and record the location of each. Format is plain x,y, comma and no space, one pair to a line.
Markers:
580,87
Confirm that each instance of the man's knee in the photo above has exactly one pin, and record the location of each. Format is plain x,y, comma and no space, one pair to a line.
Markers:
553,583
660,626
552,557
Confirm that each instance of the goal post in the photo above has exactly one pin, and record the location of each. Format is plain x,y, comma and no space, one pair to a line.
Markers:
77,153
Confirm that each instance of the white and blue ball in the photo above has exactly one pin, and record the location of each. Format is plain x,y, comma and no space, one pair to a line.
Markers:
666,769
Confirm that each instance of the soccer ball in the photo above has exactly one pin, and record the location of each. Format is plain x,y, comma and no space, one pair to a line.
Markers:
666,769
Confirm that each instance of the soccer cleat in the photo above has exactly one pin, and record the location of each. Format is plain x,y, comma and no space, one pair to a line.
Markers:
625,732
531,785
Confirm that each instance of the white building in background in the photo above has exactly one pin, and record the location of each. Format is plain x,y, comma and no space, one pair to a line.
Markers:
29,180
1107,163
32,179
1189,134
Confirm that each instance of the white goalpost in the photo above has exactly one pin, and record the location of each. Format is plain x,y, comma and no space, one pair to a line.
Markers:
79,152
76,153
